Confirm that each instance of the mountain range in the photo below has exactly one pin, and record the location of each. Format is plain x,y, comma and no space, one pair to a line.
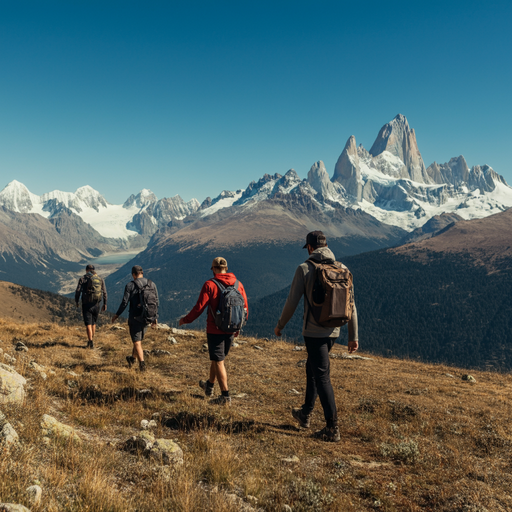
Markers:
375,199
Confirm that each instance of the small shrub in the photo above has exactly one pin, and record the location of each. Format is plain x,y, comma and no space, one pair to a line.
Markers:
406,451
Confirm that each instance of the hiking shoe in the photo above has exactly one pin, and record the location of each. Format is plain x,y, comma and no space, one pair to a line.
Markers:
90,344
130,360
142,366
208,389
221,400
330,434
300,417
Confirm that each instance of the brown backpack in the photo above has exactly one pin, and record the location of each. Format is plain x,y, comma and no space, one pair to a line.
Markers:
333,294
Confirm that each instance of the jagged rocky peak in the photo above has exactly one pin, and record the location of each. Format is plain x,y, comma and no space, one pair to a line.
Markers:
399,139
318,179
347,170
143,198
16,197
455,172
90,197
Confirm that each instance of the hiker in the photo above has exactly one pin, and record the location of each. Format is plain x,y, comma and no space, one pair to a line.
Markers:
142,295
222,293
319,339
92,289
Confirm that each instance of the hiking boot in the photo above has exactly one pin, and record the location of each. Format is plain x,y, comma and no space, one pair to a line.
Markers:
300,417
130,360
142,366
329,434
221,400
90,344
206,387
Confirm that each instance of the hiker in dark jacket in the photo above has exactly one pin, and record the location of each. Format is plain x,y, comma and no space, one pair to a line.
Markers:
137,328
318,339
219,342
91,303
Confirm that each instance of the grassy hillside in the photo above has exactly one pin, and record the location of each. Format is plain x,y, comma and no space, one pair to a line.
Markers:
414,436
443,308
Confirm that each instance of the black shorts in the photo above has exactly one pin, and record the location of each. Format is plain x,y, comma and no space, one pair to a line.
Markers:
90,311
137,330
219,345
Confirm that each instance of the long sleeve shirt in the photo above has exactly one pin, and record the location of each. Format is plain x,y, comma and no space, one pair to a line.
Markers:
302,284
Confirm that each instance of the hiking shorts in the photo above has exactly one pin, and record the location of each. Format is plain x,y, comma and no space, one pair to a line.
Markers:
90,312
137,330
219,345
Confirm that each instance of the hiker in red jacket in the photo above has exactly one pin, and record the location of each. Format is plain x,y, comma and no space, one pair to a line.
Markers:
219,342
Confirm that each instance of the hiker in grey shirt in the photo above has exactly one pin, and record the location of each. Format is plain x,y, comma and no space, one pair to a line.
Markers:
318,339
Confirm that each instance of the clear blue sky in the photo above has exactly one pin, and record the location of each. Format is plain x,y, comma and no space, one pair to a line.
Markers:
192,98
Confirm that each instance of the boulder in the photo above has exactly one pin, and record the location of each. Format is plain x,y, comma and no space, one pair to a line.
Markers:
34,493
8,435
166,452
53,428
12,384
12,507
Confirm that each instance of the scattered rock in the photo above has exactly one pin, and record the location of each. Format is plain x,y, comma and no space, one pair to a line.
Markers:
349,356
182,332
11,385
293,392
117,328
21,347
72,374
144,424
52,428
34,493
205,347
252,500
302,363
449,375
468,378
257,347
235,344
159,352
153,424
240,395
291,460
38,369
164,327
298,349
172,340
8,435
166,452
9,359
12,507
287,508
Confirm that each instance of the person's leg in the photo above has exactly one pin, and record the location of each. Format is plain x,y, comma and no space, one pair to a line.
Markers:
318,356
311,389
93,330
221,374
137,351
213,373
90,332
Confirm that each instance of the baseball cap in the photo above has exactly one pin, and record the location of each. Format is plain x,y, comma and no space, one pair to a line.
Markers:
316,239
219,262
89,267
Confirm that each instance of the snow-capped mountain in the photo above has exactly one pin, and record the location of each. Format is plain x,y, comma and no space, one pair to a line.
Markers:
390,182
111,221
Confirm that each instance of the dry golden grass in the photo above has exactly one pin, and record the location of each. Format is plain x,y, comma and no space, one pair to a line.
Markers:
413,438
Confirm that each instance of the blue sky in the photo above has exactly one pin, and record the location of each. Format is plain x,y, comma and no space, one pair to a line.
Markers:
192,98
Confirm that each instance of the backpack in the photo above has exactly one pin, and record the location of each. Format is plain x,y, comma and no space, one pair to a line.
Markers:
230,314
148,303
333,294
93,288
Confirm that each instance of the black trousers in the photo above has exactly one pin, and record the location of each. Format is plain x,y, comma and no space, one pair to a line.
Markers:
318,374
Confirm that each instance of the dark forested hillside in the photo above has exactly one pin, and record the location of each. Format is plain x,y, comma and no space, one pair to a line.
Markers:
446,310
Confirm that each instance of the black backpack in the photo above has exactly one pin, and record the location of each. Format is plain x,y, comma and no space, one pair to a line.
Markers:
148,313
230,314
332,294
93,288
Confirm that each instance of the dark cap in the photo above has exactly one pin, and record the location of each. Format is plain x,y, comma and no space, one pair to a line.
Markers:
137,269
316,239
89,267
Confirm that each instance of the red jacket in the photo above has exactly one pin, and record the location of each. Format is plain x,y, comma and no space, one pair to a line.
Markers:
210,296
